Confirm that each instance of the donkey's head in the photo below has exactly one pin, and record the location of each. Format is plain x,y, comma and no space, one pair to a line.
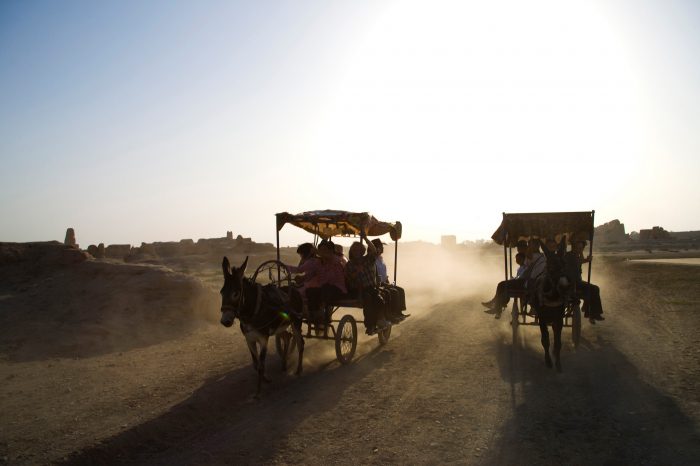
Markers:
557,284
232,291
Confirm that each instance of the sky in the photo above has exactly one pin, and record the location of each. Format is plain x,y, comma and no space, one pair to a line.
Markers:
153,121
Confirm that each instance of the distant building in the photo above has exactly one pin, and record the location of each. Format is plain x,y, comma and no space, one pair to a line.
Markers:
448,241
654,234
611,232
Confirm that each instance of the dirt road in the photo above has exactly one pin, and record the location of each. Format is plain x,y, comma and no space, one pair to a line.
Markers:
449,387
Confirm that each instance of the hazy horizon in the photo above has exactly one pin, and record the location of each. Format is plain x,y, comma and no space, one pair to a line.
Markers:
290,236
138,122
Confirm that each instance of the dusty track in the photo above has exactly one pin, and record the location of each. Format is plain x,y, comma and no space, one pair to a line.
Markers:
450,387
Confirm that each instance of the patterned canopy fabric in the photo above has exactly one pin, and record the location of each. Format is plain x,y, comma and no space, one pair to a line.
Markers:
328,223
514,227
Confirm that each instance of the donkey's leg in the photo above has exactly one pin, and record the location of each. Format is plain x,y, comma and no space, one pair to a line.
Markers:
261,365
286,345
557,326
299,338
263,354
252,347
545,341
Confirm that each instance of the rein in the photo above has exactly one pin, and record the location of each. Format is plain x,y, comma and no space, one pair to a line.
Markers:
258,300
258,304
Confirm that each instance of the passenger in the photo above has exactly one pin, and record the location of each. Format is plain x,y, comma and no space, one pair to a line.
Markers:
340,254
332,283
362,283
589,293
395,295
500,300
520,260
324,281
535,263
309,264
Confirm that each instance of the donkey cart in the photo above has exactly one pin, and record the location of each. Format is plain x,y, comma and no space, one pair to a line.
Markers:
326,224
524,226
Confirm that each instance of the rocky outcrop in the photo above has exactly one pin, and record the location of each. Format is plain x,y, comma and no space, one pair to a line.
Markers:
117,251
41,254
654,234
148,250
70,238
611,232
96,307
100,251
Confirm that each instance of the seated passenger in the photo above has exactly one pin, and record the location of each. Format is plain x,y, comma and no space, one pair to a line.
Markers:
324,281
535,263
500,299
309,264
361,279
520,260
395,295
339,253
589,293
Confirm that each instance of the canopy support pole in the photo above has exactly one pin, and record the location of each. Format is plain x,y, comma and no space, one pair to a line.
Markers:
510,260
505,250
590,247
396,259
278,256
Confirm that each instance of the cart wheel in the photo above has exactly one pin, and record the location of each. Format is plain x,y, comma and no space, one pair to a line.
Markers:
273,272
576,325
384,335
346,339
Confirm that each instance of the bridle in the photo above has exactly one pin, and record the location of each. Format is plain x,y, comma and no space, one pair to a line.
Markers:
236,307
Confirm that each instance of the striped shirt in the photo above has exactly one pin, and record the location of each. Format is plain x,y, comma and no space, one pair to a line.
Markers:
361,273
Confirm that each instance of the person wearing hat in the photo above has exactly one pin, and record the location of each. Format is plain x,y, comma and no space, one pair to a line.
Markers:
395,295
361,280
324,280
534,263
588,292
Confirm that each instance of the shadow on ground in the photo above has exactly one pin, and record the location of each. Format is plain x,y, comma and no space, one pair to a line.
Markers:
222,423
598,411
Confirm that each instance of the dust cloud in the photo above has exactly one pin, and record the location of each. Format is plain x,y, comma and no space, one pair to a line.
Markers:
433,274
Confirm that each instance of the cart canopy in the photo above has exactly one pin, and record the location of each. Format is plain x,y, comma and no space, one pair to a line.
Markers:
328,223
514,227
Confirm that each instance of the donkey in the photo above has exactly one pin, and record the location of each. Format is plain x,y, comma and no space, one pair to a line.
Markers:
263,311
551,294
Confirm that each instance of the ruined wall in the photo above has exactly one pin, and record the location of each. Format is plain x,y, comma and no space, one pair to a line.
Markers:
654,234
611,232
184,247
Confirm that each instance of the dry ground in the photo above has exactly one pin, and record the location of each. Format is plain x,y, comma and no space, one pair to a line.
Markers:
451,387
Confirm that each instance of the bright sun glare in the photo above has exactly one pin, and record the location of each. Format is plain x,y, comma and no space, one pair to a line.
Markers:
456,98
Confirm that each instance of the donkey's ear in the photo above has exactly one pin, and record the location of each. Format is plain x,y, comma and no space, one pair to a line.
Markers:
243,266
226,266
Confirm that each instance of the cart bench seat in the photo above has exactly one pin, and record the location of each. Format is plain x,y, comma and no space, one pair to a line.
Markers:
516,293
347,303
